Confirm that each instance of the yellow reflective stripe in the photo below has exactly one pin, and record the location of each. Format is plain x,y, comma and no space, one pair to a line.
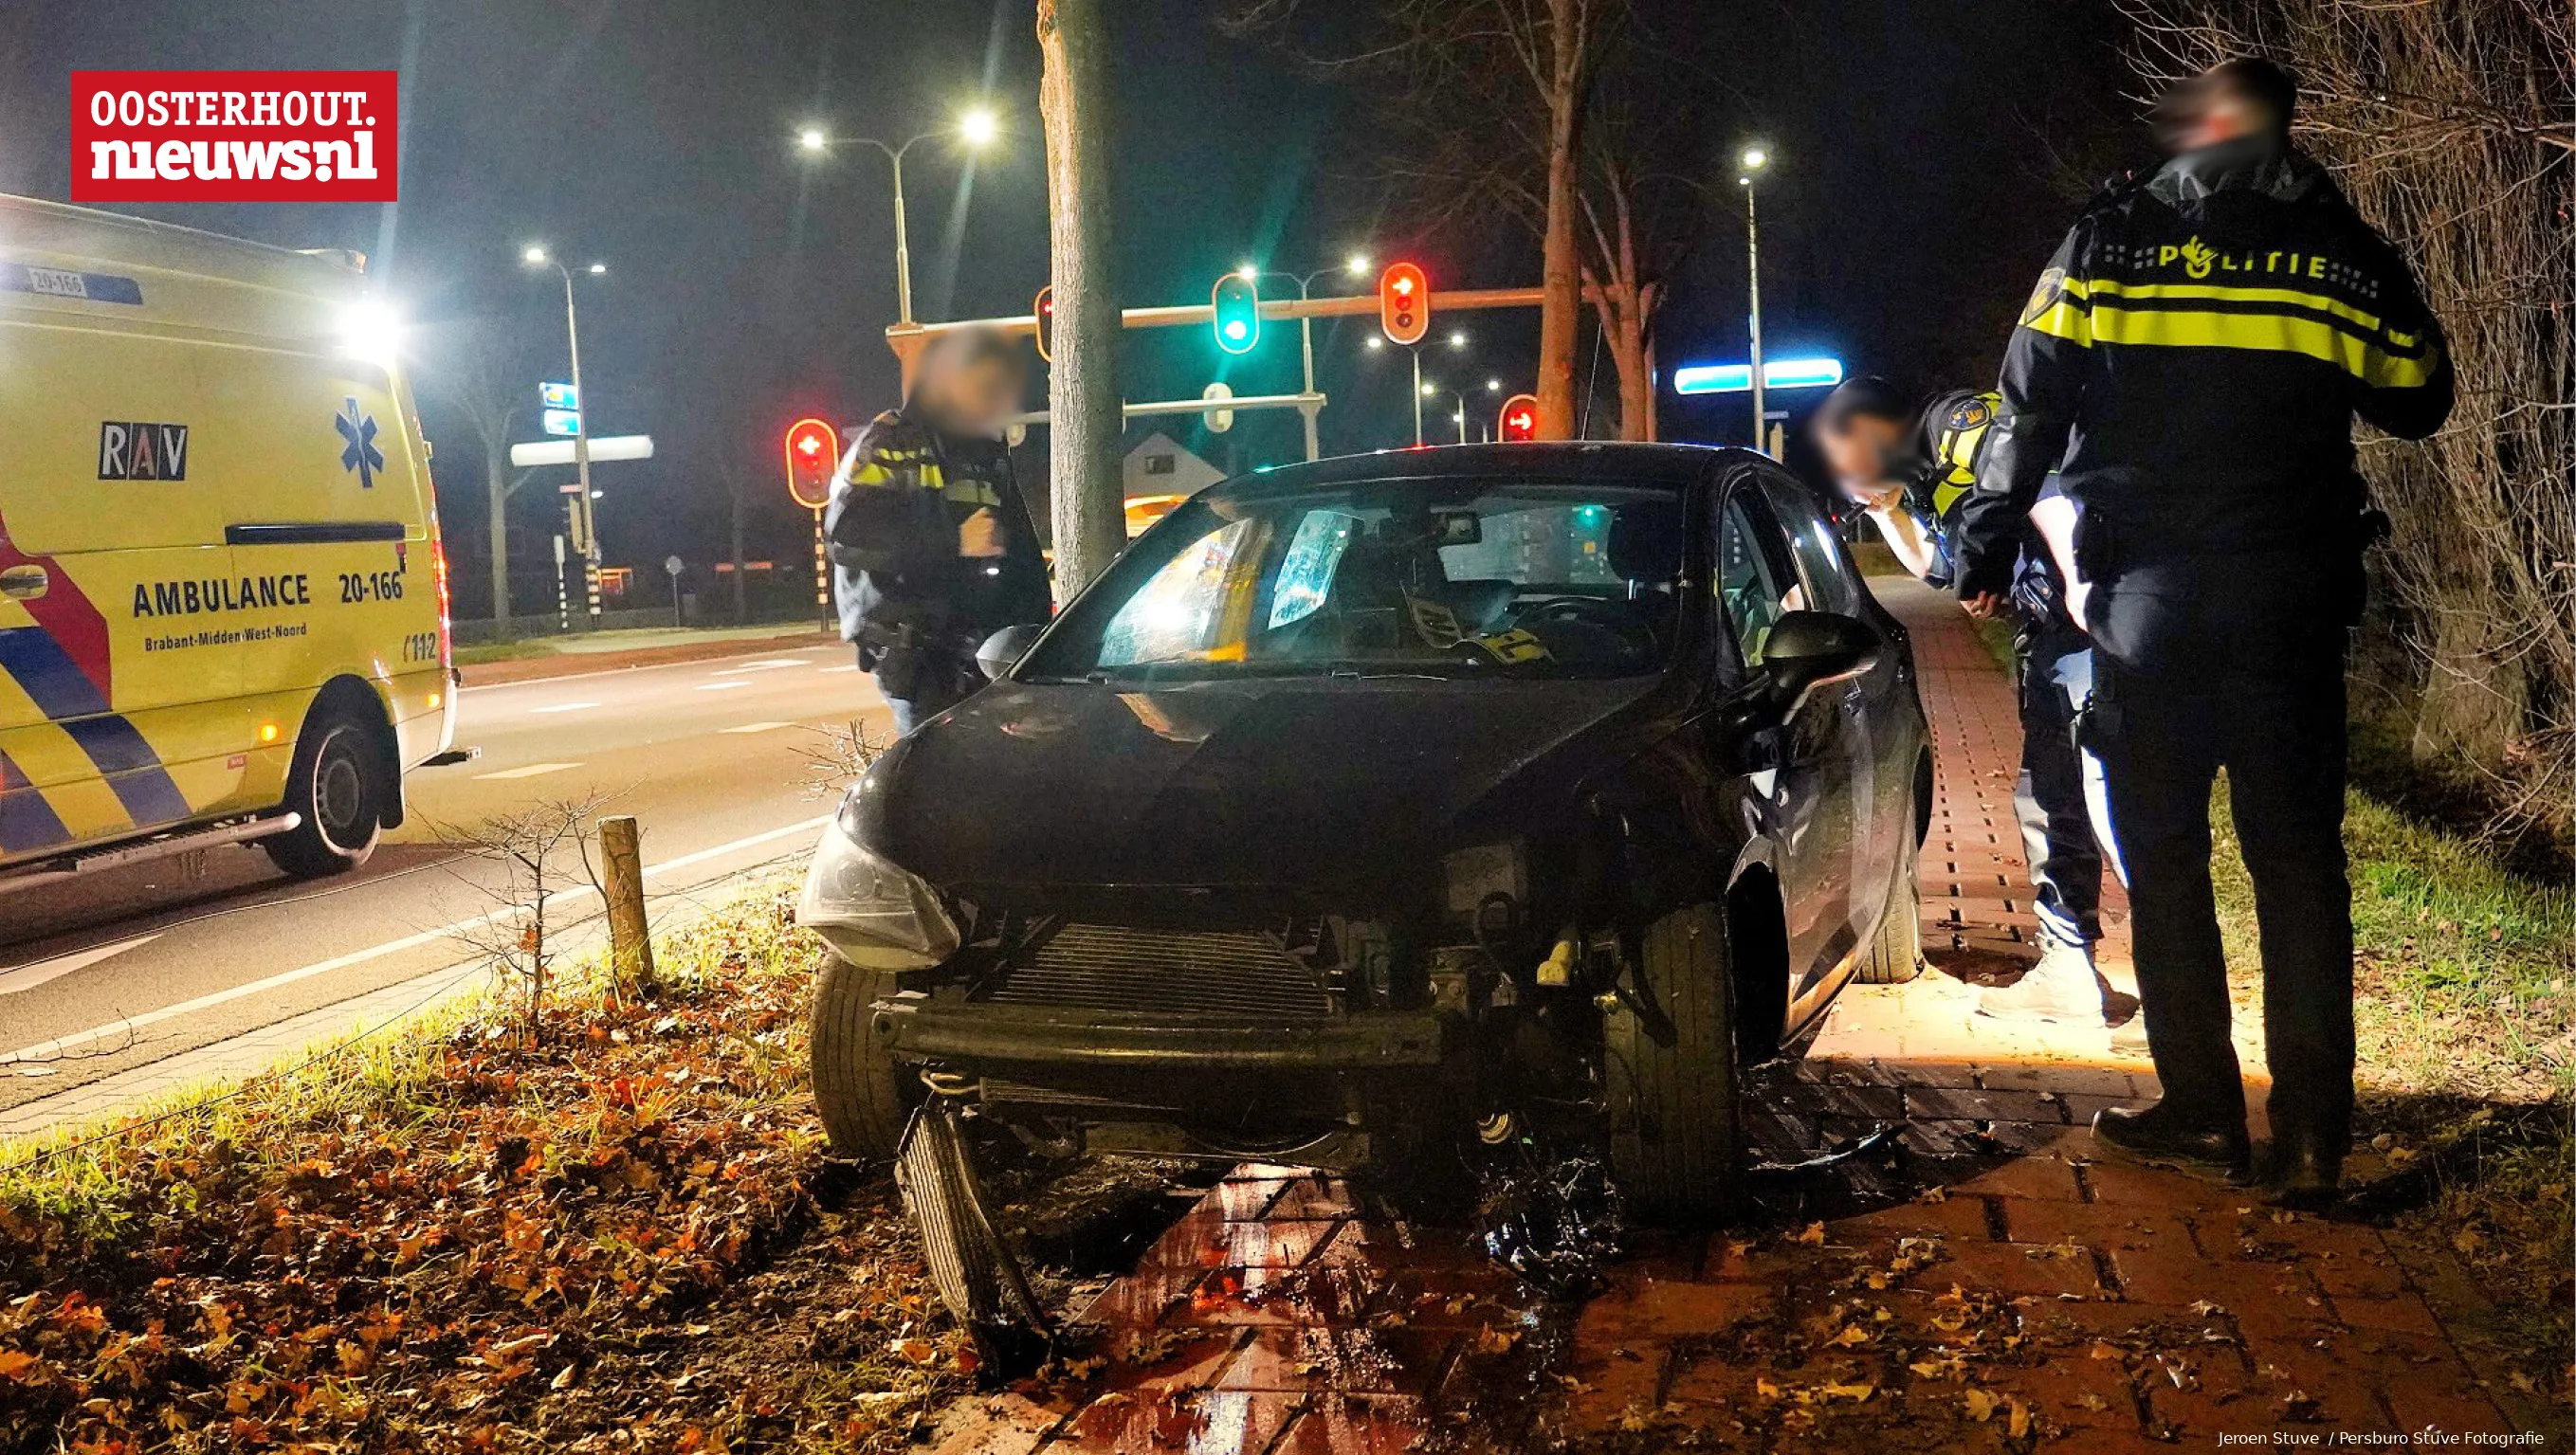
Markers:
2066,319
2265,332
2219,293
1947,494
871,473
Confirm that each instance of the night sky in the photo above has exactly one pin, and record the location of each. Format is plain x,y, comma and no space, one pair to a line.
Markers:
1926,159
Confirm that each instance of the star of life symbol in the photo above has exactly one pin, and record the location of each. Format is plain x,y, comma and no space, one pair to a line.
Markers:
361,453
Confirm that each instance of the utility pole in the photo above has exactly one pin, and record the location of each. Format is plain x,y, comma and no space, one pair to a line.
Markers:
1083,401
1755,159
1416,351
581,519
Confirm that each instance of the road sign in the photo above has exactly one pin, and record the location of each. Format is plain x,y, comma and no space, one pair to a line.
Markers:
1776,374
559,452
1404,304
1519,419
674,565
1218,420
566,422
558,396
1235,306
813,450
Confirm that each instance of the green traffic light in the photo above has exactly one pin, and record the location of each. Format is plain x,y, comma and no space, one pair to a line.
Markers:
1235,304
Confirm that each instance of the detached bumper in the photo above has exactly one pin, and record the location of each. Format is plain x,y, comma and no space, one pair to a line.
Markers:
915,1027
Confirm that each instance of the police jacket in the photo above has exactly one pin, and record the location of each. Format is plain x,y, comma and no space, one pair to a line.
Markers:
1943,464
901,494
2204,338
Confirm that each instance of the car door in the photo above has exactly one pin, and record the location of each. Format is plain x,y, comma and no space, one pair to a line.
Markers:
1875,745
1801,777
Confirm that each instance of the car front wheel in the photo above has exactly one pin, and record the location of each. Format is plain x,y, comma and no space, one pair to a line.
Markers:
864,1097
1669,1068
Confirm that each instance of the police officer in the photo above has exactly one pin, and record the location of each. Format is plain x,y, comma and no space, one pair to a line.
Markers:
2206,335
1909,464
932,546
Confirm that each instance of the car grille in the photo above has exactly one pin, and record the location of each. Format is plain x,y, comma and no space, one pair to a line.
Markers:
1119,967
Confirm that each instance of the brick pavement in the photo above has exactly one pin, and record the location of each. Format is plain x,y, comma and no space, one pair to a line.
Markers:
1992,1288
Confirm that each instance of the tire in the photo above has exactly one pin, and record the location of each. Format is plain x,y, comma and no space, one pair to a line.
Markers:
864,1097
339,786
1896,953
1674,1144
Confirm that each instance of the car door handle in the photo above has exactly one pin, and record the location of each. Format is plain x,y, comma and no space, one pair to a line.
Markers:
25,583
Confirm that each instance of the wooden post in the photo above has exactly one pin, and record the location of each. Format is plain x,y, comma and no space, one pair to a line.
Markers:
630,940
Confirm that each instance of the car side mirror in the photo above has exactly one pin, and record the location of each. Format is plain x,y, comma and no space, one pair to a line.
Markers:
1811,649
1005,647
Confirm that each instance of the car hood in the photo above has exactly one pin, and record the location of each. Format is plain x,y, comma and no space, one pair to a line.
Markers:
1322,786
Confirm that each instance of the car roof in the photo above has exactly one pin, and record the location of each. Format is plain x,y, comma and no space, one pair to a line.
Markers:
1605,460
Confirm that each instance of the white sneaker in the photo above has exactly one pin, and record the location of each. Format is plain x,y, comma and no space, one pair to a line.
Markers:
2061,988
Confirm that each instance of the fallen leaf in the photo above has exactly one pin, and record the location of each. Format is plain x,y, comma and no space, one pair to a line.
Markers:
1851,1334
1813,1235
1981,1405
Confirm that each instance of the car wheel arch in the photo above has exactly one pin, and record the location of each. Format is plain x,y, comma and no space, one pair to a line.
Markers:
1757,932
355,697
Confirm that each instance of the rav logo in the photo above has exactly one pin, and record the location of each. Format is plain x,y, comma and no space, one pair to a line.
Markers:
140,451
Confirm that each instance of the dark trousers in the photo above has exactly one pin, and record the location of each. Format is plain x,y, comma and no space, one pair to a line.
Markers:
2059,796
933,692
2275,721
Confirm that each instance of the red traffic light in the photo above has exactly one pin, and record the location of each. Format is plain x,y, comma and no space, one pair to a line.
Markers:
813,456
1519,423
1044,311
1404,304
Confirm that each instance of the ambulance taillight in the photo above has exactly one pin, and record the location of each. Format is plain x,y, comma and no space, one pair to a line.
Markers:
438,577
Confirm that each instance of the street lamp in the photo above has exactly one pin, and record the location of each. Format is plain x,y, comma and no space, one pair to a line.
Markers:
976,127
1253,273
1755,160
584,520
1358,265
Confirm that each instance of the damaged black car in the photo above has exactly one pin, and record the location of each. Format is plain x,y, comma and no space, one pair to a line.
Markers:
1369,805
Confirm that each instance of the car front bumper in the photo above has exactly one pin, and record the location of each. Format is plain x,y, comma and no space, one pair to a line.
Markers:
916,1027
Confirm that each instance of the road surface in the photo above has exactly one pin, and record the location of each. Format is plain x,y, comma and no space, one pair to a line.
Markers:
717,759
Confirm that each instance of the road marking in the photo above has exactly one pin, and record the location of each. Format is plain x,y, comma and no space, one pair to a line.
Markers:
766,664
16,978
720,686
116,1030
844,667
756,727
564,707
530,771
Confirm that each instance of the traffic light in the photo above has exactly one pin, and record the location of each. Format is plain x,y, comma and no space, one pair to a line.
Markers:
1519,423
813,457
1237,305
1044,310
1404,304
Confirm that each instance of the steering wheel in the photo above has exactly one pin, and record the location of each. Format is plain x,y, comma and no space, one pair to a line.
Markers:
1635,637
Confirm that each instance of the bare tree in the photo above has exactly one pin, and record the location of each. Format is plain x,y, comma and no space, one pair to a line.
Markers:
1083,402
542,851
476,370
2453,126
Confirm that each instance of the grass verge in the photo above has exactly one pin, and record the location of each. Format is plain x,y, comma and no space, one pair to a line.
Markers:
2467,1032
455,1241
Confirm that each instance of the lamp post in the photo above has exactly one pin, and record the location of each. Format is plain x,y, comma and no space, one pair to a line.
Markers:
583,521
1356,266
977,127
1755,159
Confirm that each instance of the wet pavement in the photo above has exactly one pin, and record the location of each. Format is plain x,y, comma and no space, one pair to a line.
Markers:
1982,1283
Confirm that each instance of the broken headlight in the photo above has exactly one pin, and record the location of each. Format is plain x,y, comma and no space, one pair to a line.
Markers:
875,912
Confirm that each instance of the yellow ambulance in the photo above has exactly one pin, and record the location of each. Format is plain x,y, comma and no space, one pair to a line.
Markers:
223,608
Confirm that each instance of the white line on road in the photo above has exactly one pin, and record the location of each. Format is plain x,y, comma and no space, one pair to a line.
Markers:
756,727
16,978
844,667
564,707
766,664
54,1049
720,686
530,771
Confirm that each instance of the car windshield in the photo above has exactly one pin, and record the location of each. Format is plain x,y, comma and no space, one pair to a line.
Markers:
1449,578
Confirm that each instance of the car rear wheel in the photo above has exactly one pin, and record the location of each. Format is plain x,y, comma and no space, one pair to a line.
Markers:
1896,954
338,786
1669,1068
865,1097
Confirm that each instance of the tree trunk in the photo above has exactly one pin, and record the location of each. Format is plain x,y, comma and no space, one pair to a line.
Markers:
1561,267
1082,386
496,496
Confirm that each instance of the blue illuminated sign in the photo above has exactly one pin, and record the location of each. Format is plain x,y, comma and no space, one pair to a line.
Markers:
1776,374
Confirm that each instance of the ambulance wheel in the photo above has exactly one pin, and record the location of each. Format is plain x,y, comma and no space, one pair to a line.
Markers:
337,787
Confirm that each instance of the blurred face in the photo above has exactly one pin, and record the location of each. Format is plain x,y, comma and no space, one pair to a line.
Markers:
1859,454
2209,112
973,396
